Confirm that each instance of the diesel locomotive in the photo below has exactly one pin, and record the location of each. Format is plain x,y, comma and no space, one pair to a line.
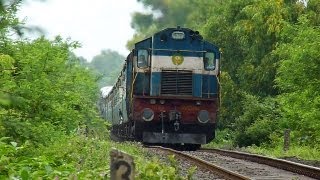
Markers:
167,91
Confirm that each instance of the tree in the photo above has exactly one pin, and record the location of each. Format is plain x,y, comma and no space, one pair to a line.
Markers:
47,90
298,79
258,40
8,20
164,14
107,65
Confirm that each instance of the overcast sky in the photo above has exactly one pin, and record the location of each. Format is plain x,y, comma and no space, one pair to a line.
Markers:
96,24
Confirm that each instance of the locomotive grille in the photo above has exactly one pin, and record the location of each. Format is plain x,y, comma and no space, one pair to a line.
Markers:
176,82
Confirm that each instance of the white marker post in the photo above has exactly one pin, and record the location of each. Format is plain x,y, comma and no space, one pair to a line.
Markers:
122,166
286,136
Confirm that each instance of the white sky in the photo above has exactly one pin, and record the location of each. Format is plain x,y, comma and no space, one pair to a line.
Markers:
96,24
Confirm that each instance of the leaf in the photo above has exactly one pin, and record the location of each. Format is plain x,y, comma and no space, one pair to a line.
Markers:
14,144
24,174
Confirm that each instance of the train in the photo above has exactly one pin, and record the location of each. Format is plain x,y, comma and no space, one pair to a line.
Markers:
167,91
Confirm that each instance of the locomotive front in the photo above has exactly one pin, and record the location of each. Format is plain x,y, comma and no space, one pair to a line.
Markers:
175,95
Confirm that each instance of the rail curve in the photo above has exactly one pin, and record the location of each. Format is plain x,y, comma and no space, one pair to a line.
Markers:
302,169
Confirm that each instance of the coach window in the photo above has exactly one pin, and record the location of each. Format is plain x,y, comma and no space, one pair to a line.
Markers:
142,58
209,61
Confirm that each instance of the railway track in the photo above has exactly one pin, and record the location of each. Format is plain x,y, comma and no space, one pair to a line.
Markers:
234,165
217,170
298,168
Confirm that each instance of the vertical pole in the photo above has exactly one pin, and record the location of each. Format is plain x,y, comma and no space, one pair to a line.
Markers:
162,124
286,137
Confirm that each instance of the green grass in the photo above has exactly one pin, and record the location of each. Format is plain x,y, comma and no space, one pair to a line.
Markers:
224,140
78,157
301,152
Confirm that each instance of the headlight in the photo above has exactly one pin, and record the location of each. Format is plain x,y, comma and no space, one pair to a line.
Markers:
203,116
153,101
162,101
147,114
177,35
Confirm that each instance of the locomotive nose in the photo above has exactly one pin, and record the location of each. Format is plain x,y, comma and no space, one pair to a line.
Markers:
147,114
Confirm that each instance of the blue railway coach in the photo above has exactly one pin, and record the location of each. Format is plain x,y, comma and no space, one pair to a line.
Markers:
167,91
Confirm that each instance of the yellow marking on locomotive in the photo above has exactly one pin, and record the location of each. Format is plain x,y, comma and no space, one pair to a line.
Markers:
177,59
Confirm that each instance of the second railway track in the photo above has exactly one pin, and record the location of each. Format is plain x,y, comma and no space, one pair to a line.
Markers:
310,171
235,165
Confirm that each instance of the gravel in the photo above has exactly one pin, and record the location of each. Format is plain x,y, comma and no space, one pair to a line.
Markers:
301,161
184,166
247,168
315,163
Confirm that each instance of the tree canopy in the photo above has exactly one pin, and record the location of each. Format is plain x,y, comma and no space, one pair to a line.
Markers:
43,87
270,62
107,65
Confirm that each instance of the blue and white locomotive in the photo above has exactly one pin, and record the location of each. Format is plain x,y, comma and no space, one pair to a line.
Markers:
167,91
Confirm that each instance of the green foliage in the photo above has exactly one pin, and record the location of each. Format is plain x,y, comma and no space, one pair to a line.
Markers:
44,88
230,99
157,170
270,62
8,20
301,152
67,157
6,83
141,22
258,121
44,95
270,81
107,66
49,125
78,157
298,78
164,14
224,139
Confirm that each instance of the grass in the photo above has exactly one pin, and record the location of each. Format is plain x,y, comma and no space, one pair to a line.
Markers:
224,140
301,152
78,157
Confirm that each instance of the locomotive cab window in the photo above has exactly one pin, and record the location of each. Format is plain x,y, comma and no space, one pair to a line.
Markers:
143,58
209,61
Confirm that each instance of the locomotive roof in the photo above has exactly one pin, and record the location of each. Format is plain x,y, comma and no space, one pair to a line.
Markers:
171,29
174,29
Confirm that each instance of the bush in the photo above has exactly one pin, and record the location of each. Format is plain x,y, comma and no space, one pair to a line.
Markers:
259,120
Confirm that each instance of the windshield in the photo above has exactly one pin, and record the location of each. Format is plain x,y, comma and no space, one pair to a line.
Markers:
209,61
142,58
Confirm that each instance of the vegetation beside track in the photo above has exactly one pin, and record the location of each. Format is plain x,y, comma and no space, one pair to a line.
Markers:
77,156
49,123
270,66
270,82
224,140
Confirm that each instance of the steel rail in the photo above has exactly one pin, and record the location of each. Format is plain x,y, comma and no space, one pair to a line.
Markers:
227,174
301,169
